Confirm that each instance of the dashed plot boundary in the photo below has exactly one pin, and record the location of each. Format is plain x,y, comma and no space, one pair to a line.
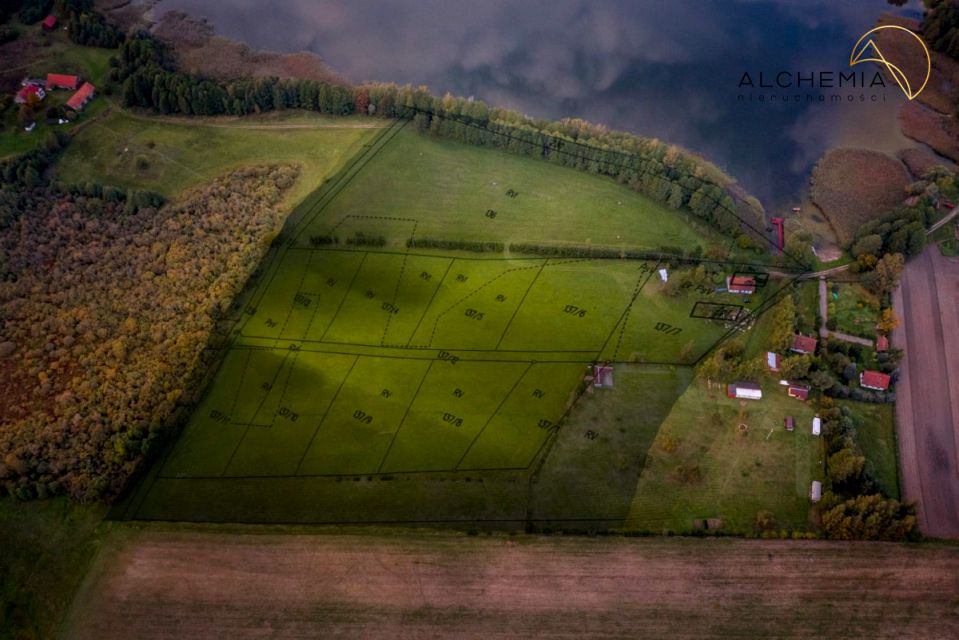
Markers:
647,270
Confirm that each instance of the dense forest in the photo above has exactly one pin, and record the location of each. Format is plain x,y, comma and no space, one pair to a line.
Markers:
940,26
108,312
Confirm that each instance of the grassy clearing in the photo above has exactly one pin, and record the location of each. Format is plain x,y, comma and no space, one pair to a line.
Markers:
876,436
855,309
448,188
159,155
54,542
592,467
705,466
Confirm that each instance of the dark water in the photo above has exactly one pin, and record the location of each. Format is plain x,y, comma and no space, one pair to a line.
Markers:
668,69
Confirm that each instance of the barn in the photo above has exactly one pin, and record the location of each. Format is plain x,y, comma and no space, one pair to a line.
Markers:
62,81
744,390
874,380
80,99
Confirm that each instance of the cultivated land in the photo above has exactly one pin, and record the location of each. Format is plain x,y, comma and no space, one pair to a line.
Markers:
175,154
156,584
927,407
392,383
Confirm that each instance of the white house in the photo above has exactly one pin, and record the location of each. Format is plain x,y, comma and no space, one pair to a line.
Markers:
744,390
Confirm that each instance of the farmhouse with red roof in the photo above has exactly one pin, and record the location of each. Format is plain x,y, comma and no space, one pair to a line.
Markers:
49,23
80,99
743,285
803,344
874,380
30,90
62,81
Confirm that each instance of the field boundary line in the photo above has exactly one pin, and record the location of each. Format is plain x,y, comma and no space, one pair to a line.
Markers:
521,301
343,299
399,283
429,304
599,354
474,292
255,413
299,288
355,168
492,416
406,413
640,284
326,412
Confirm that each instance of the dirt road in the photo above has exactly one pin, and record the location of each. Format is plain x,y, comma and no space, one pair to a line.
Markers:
160,584
927,408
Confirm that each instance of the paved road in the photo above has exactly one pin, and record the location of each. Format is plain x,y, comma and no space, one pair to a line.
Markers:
927,406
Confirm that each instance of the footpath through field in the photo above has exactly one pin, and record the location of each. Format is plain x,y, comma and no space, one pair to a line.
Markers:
927,406
156,584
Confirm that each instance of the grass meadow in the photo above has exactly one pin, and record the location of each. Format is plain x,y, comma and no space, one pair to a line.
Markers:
704,465
170,156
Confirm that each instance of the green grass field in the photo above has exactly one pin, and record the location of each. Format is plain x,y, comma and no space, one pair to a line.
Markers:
448,188
358,377
857,310
717,470
179,155
876,436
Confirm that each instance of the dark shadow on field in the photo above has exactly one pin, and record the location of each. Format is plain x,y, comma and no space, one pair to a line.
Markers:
589,474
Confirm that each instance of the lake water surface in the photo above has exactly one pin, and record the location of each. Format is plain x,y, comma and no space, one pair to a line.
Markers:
669,69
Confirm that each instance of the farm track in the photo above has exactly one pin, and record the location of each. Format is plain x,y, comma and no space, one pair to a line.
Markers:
159,583
927,407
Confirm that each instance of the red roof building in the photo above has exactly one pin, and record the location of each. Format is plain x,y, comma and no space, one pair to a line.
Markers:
80,99
30,90
49,23
804,344
745,285
798,391
874,380
61,81
882,344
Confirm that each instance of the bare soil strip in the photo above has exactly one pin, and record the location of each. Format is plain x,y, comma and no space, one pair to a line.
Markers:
927,407
158,583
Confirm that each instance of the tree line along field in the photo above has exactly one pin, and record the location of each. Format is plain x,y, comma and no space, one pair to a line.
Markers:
362,376
456,191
